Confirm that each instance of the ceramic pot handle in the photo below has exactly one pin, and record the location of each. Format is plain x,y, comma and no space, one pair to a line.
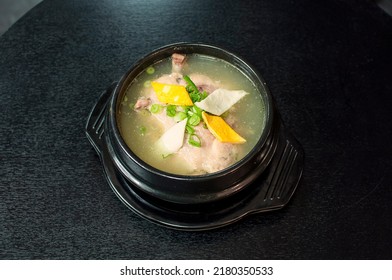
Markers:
285,171
95,127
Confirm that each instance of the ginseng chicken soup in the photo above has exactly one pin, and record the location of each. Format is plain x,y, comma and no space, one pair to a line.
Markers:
191,115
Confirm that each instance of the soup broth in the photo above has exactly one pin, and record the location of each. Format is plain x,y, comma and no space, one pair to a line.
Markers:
142,119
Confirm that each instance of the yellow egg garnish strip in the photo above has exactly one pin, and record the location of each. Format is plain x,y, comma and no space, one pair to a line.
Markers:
172,94
221,130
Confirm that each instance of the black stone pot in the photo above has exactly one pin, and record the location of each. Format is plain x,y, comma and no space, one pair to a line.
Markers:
266,177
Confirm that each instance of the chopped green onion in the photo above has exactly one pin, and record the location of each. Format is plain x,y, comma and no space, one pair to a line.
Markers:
191,85
194,120
171,110
197,110
142,130
147,84
156,108
194,140
189,129
195,97
180,116
150,70
194,93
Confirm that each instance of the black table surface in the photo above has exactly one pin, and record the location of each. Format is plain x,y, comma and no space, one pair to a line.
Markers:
327,64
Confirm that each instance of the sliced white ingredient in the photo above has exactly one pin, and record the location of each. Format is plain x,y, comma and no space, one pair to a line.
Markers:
172,140
220,100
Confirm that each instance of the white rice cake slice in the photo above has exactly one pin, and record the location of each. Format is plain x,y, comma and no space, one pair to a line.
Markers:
172,140
220,100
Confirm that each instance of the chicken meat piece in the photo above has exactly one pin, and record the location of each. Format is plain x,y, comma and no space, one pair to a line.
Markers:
212,156
178,61
142,103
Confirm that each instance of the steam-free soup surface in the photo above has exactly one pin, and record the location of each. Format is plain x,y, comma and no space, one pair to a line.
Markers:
143,119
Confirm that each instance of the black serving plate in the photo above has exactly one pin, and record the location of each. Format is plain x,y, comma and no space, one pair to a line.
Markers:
272,190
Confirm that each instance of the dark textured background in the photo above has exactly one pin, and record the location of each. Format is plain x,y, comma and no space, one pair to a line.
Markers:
328,65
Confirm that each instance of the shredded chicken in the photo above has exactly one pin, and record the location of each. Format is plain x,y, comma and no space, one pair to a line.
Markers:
142,103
